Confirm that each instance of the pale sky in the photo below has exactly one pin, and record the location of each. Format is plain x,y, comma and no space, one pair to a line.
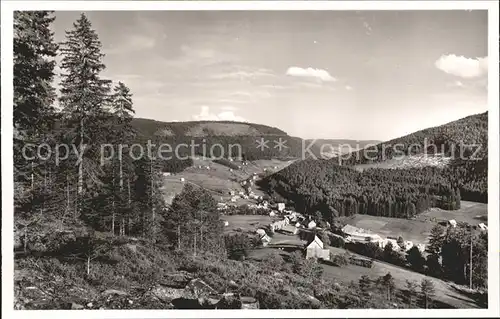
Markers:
317,74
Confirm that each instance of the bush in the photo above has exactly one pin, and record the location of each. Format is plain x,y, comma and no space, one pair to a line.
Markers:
237,246
340,260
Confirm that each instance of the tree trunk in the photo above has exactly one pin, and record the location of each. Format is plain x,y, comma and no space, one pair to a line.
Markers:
129,198
153,213
121,171
194,253
113,219
68,208
470,270
88,265
32,183
201,237
179,237
113,209
25,239
80,164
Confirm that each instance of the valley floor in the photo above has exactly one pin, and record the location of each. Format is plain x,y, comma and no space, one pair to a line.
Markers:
218,180
418,229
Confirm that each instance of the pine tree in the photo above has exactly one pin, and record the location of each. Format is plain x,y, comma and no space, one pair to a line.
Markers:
411,292
34,50
428,291
415,259
33,115
122,132
84,95
436,240
147,195
389,284
365,284
193,223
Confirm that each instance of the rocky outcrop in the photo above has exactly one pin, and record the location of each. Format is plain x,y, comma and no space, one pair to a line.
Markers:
167,294
177,280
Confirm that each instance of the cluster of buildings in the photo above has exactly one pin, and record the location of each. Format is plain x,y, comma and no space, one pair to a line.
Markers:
453,223
358,235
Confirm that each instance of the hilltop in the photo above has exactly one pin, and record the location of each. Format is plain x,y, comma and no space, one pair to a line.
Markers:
333,190
148,127
448,139
222,138
334,147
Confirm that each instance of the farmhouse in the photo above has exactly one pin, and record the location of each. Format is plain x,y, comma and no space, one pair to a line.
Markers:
265,240
261,232
386,241
315,250
281,206
290,229
356,234
483,227
408,245
421,247
311,224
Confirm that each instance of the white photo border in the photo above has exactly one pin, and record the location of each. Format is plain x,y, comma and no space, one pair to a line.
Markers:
7,8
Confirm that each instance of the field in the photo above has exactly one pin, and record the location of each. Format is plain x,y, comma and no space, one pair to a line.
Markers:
469,212
218,179
444,291
414,230
406,161
246,222
418,229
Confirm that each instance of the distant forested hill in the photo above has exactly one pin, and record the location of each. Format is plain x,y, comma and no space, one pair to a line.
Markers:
228,133
148,127
323,185
223,138
449,139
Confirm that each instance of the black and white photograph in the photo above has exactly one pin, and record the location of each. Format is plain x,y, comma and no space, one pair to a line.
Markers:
163,158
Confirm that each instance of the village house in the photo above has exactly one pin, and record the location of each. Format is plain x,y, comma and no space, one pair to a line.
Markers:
408,245
386,241
311,224
315,249
281,206
483,227
290,229
261,232
355,234
421,247
265,240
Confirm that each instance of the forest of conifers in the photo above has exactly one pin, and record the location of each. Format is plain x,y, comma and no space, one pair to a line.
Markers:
315,185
